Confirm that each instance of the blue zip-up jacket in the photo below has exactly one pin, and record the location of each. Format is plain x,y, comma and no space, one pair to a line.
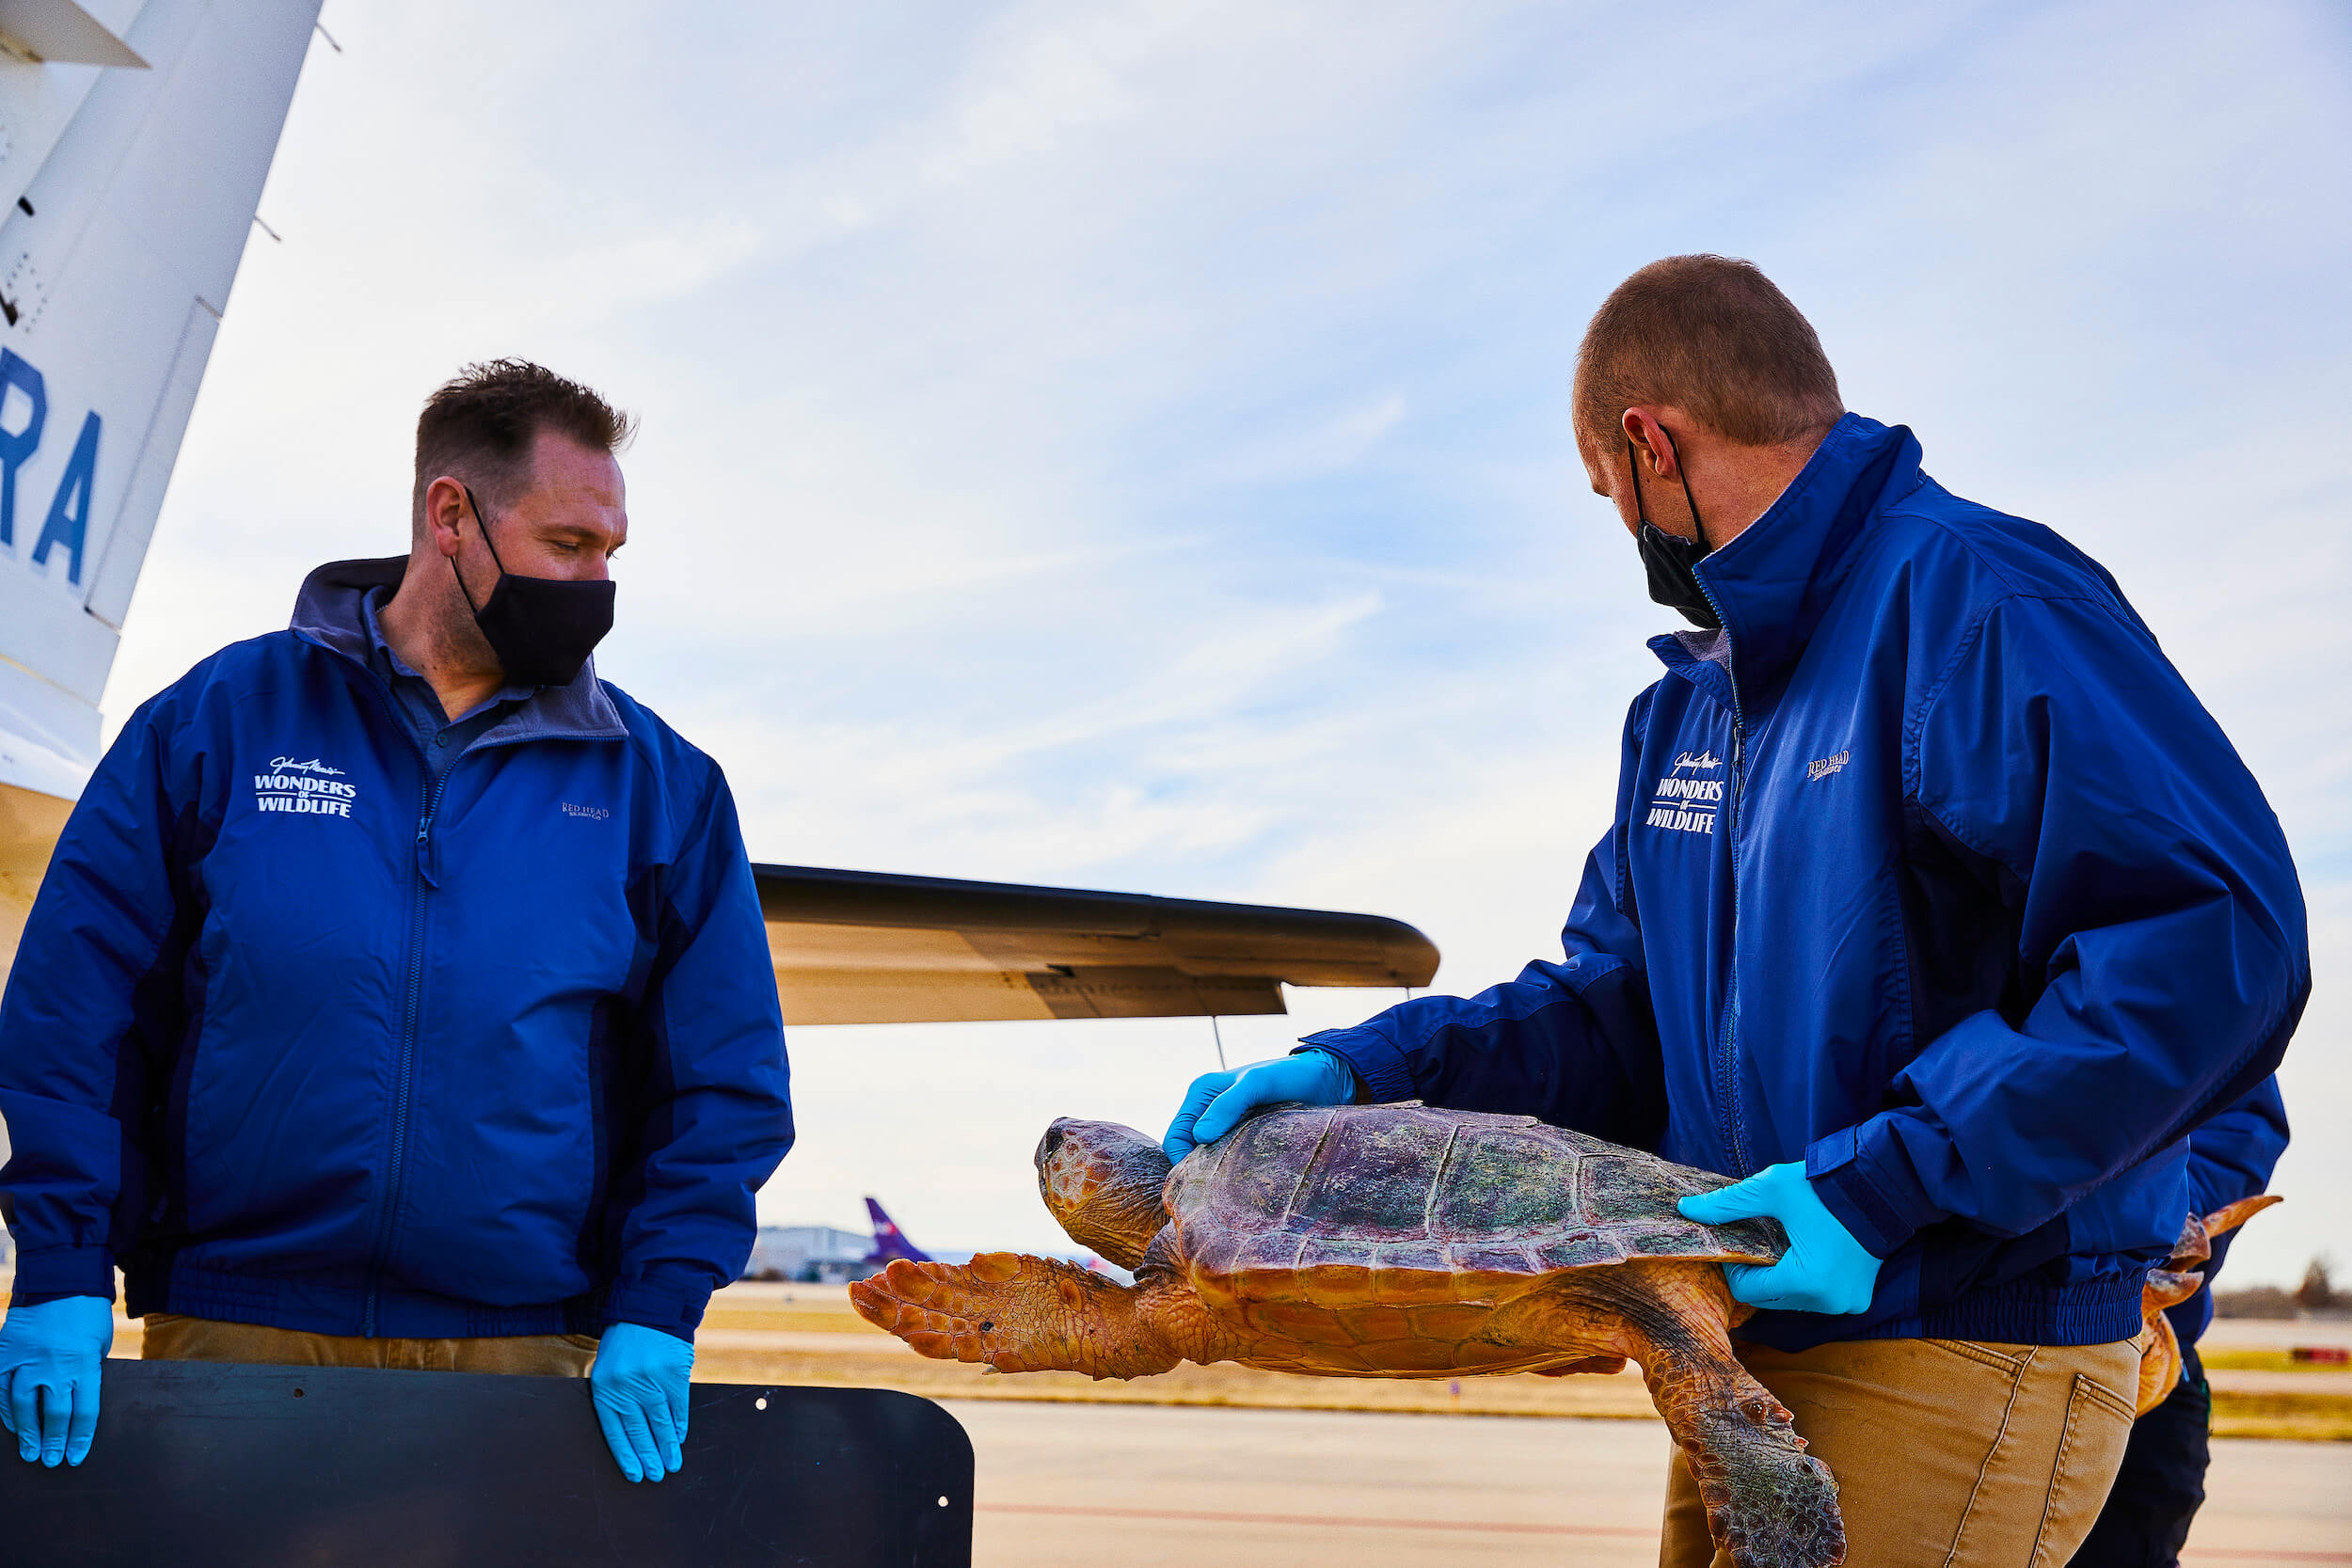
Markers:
298,1038
1930,872
2231,1156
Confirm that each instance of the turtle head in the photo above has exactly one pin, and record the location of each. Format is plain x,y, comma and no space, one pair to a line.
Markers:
1103,1183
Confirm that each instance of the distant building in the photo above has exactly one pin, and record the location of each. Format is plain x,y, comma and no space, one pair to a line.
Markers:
810,1253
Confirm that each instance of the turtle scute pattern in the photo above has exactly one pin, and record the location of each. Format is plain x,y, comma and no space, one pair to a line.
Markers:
1374,1202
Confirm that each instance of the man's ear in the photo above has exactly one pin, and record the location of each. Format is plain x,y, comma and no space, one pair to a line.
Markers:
446,513
1653,444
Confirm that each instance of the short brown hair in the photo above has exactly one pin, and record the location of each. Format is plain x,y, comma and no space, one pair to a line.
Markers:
1711,336
479,426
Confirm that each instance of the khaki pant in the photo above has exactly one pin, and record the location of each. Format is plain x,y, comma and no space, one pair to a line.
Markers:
1947,1454
170,1338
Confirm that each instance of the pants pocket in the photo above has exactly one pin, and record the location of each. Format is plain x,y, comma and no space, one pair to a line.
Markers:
2090,1451
2012,1359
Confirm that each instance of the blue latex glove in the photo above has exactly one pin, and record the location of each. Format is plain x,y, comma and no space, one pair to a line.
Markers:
1216,1101
639,1386
1825,1269
50,1361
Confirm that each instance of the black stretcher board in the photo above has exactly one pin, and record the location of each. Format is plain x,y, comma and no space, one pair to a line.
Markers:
200,1465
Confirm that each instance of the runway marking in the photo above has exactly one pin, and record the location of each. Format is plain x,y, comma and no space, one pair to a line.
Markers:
1320,1521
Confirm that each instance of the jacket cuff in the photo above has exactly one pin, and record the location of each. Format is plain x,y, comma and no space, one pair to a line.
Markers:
1376,1060
1862,1175
674,1307
50,1273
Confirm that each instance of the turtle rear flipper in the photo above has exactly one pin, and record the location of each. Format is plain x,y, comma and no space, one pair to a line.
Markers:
2159,1363
1018,1314
1769,1503
2233,1215
2172,1282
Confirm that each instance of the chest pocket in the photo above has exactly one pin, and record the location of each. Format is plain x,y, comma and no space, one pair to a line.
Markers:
536,883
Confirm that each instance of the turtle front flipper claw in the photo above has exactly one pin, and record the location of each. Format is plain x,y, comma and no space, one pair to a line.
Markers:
1017,1314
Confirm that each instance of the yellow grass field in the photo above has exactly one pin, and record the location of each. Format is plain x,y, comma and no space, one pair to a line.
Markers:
807,1333
771,1334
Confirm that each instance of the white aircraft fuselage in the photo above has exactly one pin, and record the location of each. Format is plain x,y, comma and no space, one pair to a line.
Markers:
135,138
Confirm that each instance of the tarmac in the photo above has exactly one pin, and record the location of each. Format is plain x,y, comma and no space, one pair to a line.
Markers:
1070,1486
1067,1477
1224,1465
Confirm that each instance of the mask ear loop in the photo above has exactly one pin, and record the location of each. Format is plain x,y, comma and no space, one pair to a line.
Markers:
1633,464
484,524
1682,472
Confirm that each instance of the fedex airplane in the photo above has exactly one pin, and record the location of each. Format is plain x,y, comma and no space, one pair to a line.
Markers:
891,1246
134,136
890,1242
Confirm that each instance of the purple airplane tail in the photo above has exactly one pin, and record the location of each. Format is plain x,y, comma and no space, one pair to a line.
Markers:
890,1243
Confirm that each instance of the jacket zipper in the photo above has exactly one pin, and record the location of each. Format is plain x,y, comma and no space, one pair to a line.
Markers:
419,885
405,1071
1735,1125
1730,1123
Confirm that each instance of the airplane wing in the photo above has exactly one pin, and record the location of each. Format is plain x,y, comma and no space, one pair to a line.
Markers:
868,947
134,136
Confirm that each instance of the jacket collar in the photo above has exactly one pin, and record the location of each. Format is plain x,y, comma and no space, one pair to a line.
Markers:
1774,582
331,612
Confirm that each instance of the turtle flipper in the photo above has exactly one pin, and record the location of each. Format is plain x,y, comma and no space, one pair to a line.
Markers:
1018,1314
2160,1347
2159,1363
2172,1282
2235,1215
1769,1503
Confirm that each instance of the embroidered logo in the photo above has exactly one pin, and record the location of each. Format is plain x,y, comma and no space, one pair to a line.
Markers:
305,788
1687,806
593,814
1824,767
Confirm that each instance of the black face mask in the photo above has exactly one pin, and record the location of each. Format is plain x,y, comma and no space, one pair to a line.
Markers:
543,630
1670,560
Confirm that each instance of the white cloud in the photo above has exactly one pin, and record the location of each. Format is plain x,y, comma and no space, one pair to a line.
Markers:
1327,445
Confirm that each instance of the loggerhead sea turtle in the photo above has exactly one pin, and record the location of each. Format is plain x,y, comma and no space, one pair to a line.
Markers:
1395,1241
2174,1281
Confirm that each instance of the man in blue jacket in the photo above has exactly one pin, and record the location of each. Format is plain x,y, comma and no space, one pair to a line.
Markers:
397,994
1936,909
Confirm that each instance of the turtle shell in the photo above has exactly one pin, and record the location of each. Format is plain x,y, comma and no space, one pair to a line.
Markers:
1399,1201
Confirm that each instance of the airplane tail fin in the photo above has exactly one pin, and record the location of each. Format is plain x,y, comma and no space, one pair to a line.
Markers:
126,198
890,1242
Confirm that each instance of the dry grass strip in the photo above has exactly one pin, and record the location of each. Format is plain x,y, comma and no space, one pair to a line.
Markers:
1619,1398
2306,1417
2310,1418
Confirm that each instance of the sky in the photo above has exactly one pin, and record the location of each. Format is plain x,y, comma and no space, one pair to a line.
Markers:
1125,443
